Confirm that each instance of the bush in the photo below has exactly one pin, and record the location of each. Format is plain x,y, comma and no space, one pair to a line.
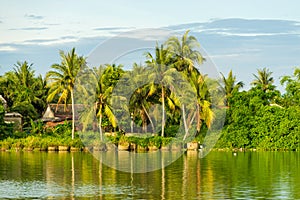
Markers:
166,141
155,141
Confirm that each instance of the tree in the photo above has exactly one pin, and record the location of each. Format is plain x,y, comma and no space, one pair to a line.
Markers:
263,80
97,87
230,85
204,111
183,52
162,75
24,92
106,80
292,87
62,80
140,101
264,88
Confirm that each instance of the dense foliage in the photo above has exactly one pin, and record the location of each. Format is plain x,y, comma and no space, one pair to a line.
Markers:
261,117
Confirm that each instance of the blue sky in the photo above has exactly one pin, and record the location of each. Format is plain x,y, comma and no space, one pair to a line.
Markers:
35,30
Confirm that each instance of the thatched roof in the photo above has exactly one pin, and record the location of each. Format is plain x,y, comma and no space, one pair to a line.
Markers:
48,113
13,114
3,101
61,112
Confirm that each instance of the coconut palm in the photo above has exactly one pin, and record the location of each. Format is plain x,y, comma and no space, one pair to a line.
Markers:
24,73
292,85
141,100
184,53
161,76
263,80
98,85
203,111
62,80
24,92
229,85
104,90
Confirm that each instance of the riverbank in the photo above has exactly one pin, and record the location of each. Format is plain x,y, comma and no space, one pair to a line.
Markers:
112,143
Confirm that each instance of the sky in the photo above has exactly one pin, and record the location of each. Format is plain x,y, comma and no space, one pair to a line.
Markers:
36,30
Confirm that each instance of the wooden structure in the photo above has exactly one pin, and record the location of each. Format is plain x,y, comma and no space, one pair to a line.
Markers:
13,117
59,113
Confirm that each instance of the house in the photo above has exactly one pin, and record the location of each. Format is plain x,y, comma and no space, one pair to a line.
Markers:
13,117
4,102
59,113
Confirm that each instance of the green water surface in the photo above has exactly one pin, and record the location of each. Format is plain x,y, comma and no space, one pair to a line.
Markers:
219,175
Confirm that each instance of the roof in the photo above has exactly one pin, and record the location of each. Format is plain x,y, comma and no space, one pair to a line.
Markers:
61,112
2,99
48,113
13,114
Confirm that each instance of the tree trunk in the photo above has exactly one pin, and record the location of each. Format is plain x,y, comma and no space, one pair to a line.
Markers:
100,127
131,126
73,114
163,111
151,122
144,124
199,123
184,122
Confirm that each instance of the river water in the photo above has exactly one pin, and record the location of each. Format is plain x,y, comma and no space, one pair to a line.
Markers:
219,175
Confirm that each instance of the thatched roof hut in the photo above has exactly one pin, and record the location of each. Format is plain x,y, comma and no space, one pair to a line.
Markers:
4,102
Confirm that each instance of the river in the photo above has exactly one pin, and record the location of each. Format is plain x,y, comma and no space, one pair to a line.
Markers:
219,175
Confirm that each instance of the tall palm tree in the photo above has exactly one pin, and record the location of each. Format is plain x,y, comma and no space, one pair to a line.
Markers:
263,80
204,111
184,53
62,79
98,86
104,90
162,75
230,85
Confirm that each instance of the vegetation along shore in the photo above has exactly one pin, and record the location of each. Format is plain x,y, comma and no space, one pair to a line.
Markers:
39,113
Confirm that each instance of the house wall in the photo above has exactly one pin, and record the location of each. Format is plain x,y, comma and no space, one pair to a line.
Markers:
17,121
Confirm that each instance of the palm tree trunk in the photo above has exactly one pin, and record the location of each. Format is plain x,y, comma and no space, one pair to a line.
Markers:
100,127
73,114
131,126
163,112
184,122
198,118
151,122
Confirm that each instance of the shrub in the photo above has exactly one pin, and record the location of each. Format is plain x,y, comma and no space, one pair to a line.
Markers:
166,141
155,141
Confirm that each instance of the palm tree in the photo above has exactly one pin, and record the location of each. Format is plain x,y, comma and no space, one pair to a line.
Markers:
104,90
62,79
292,87
161,75
98,86
23,91
24,73
183,52
263,80
140,100
204,111
230,85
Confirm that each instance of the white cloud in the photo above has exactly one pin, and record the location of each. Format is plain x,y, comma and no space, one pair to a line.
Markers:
7,48
250,34
48,42
147,34
225,55
34,17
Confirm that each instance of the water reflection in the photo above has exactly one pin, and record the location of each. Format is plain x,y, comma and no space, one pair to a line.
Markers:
133,162
267,175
